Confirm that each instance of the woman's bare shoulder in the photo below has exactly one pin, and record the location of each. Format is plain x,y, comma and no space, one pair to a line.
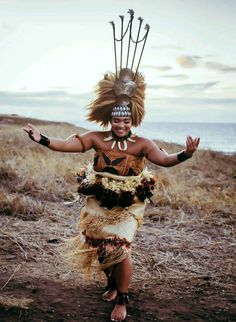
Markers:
95,138
145,144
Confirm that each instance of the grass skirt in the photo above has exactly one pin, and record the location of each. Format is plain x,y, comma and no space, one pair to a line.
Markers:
106,235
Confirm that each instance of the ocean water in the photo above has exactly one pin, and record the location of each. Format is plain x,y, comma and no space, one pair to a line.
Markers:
213,136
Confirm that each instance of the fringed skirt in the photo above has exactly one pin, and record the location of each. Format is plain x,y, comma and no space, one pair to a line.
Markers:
106,235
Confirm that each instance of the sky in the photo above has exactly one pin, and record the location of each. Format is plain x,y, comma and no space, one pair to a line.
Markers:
53,53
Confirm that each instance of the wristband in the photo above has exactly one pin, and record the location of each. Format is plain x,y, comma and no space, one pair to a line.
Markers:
44,140
182,156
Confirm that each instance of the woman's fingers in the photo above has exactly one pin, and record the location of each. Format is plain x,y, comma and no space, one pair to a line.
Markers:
189,141
28,127
33,133
197,141
31,126
192,144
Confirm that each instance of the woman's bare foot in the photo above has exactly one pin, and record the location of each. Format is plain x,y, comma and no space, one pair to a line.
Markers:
109,295
119,312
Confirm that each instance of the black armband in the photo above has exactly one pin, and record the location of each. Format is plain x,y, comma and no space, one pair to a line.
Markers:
182,156
44,140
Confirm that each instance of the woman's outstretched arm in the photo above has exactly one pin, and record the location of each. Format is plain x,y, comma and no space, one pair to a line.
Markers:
74,143
157,156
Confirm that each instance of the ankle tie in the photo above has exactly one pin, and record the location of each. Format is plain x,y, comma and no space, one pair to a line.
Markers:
122,298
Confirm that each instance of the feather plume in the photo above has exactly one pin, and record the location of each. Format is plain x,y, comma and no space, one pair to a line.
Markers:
100,109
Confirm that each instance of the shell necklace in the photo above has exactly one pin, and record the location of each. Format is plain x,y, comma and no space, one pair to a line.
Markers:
120,141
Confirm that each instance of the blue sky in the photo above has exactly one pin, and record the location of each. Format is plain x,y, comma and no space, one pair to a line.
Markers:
53,53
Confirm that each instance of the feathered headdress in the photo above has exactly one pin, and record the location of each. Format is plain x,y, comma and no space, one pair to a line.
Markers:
122,92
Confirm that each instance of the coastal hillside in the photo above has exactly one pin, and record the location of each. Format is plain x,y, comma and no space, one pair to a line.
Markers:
184,254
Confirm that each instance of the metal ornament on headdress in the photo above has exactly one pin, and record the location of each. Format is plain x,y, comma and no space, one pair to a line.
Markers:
130,39
125,86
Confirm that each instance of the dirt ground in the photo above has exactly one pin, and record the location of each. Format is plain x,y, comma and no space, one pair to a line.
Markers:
53,301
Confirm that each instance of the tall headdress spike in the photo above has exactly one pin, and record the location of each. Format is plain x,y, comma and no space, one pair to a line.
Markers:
131,12
137,40
114,38
131,39
121,37
147,27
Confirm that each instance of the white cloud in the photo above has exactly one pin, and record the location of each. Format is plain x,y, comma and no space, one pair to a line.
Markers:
188,61
220,67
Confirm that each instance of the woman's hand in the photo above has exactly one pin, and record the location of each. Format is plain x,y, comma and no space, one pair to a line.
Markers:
191,145
33,133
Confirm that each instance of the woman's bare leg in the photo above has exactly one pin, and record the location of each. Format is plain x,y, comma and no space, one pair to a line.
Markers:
110,294
122,276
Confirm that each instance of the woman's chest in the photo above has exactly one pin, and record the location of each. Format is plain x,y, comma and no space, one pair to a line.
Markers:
118,163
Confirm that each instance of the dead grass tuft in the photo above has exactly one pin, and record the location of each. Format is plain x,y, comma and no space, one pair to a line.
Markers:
7,175
22,207
8,301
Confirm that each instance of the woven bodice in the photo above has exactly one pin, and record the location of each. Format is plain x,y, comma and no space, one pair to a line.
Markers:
118,162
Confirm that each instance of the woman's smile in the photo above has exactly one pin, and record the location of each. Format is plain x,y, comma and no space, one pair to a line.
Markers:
121,125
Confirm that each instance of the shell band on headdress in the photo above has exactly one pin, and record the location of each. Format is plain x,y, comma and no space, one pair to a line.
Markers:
124,88
121,111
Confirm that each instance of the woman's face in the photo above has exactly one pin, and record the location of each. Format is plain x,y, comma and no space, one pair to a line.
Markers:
121,125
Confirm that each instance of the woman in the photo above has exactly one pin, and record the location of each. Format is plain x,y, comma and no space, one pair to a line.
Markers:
119,274
117,186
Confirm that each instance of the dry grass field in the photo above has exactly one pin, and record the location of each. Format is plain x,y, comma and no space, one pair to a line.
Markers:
184,254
